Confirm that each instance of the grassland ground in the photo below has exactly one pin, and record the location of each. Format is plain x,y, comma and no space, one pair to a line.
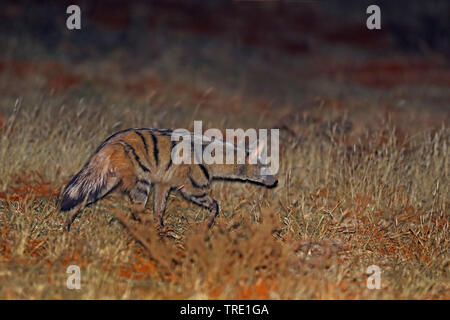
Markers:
364,175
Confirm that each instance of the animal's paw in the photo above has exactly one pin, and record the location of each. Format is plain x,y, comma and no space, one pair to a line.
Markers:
168,232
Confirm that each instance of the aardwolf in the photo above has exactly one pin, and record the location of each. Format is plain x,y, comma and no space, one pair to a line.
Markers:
133,160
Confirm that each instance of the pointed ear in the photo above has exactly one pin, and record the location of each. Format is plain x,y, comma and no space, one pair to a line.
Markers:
254,155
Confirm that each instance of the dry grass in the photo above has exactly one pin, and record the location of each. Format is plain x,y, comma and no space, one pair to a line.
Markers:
357,186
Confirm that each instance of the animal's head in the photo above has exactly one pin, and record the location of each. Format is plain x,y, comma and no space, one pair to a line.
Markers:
259,172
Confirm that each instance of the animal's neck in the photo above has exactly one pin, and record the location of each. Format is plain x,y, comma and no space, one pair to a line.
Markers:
228,171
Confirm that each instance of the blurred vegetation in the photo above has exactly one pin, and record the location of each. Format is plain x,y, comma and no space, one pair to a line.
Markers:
364,123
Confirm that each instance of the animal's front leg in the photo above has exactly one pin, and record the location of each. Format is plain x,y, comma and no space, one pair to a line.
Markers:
138,196
160,201
198,196
211,204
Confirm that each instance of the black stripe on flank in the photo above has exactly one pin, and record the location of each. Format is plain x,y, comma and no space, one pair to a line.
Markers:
195,184
140,190
165,132
155,147
170,160
136,157
143,181
143,141
205,171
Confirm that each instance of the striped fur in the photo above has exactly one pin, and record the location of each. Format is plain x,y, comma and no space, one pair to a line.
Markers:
134,160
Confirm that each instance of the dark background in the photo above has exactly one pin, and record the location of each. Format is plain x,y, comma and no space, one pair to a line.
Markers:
265,53
296,27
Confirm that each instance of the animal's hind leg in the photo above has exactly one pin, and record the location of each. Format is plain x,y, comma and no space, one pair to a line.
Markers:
139,196
72,214
208,202
199,197
111,183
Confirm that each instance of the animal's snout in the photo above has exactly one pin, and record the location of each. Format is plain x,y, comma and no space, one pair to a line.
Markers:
270,181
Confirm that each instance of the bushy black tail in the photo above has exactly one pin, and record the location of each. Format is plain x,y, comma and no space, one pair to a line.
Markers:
89,185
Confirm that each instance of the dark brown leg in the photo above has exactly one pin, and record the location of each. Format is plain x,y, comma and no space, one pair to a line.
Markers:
72,214
160,201
139,196
197,196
